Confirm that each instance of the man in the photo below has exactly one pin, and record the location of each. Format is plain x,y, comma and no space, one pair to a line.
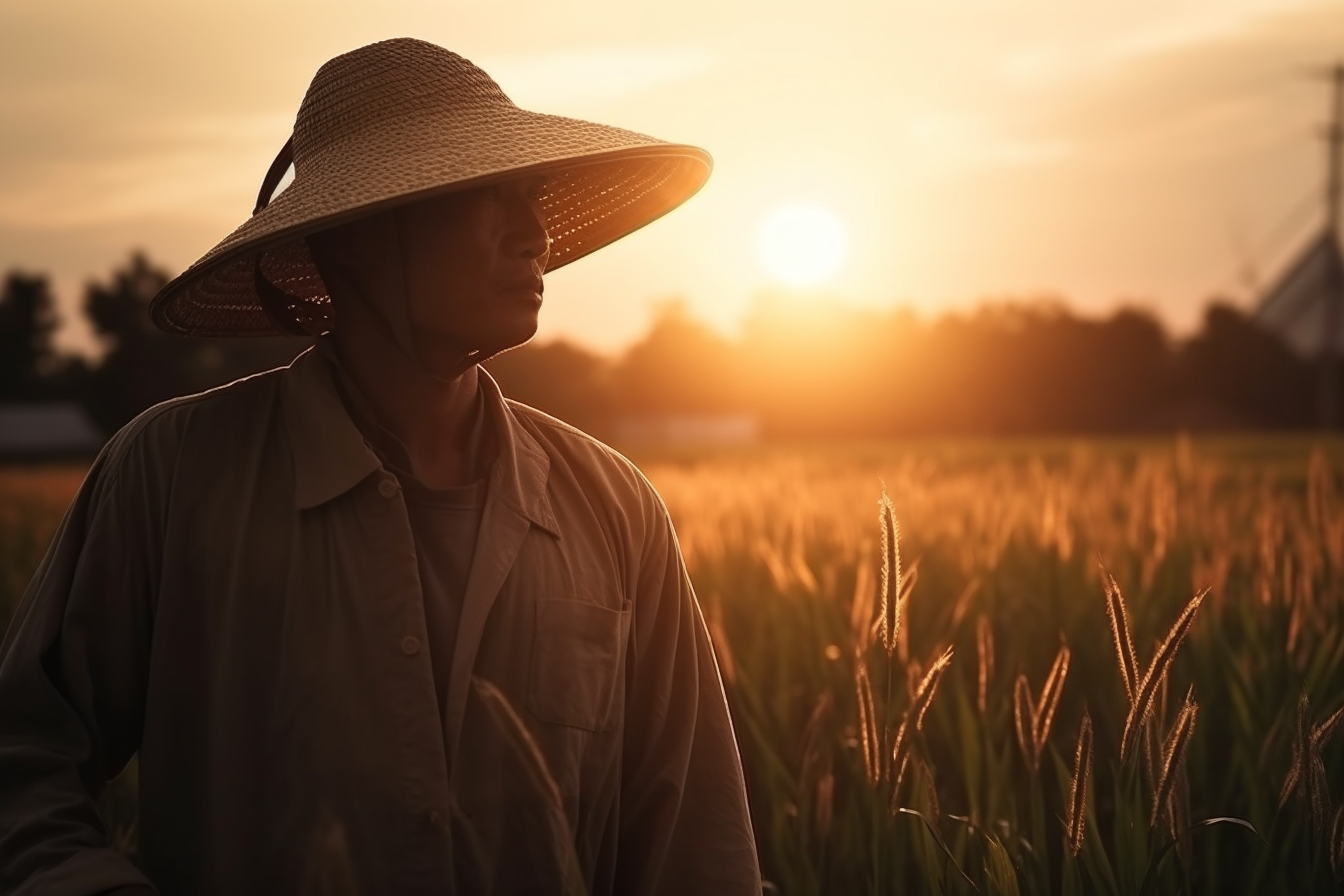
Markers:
371,627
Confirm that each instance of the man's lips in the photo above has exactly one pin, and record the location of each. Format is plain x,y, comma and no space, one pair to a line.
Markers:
531,284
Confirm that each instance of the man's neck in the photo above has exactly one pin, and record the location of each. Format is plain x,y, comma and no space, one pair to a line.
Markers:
430,417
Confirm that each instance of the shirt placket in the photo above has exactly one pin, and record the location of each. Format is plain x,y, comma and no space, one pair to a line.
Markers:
420,759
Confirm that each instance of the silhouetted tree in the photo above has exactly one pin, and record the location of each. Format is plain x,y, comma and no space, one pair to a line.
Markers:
804,368
1236,373
143,365
27,322
681,366
561,379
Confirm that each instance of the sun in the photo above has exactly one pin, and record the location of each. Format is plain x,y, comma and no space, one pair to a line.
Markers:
801,244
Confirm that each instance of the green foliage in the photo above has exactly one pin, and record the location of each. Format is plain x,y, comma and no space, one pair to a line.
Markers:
1014,535
783,544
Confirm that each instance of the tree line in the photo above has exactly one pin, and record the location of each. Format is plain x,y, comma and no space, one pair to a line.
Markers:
819,369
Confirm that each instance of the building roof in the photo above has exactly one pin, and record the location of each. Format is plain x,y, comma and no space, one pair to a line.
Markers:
46,429
1296,305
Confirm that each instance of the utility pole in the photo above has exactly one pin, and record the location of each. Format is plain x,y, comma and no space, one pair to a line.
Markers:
1328,392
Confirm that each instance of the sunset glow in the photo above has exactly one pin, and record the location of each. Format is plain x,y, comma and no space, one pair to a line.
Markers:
801,245
1144,152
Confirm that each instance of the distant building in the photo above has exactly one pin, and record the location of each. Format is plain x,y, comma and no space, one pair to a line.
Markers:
688,429
1298,304
44,430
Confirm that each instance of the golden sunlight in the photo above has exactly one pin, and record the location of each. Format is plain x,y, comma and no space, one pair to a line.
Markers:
801,244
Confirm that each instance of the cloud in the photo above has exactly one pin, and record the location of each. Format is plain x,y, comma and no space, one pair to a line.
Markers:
595,76
186,167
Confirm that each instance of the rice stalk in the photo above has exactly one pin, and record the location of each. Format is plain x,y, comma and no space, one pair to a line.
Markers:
1049,701
1337,845
909,577
890,607
1174,755
984,651
817,740
868,734
900,757
327,866
1320,734
1082,778
928,686
825,806
1118,616
1157,671
963,603
925,771
897,778
514,736
1178,811
1318,790
1309,744
1024,718
1152,736
919,705
802,573
1301,739
1033,717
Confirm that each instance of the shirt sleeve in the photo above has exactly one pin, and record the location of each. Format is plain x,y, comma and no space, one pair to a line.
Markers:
685,825
72,680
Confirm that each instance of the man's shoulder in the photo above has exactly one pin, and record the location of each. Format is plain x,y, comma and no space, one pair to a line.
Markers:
571,447
161,428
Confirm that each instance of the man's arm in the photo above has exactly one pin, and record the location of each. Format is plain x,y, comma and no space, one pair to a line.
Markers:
72,676
685,825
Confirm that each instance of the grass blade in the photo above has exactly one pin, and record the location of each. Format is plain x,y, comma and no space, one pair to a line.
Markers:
1082,777
1156,674
1118,616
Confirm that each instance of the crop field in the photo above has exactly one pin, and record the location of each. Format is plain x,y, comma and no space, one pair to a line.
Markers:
1107,667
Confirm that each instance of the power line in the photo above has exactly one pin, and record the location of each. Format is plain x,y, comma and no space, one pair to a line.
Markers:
1334,308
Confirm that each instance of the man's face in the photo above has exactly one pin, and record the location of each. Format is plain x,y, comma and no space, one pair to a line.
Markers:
473,264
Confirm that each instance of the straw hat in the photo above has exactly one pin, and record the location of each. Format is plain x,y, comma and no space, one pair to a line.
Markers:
398,121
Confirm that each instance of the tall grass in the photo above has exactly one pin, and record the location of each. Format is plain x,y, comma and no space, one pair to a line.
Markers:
978,688
1050,759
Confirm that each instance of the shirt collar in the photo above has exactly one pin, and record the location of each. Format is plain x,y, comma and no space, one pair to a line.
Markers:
521,470
331,455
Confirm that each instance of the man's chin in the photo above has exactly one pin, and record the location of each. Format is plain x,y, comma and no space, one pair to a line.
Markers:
504,345
441,355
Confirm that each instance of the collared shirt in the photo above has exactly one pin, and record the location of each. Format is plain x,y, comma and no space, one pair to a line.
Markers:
234,593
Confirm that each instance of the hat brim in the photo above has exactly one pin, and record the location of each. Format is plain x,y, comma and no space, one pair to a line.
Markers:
601,183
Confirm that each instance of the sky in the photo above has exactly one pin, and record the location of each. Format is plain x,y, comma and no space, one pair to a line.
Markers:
1149,153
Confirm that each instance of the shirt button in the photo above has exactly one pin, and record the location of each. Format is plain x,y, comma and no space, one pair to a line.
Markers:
410,645
387,487
433,817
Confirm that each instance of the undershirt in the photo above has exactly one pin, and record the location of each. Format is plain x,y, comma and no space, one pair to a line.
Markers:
444,526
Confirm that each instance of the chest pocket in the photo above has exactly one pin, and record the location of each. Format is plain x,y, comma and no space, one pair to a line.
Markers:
578,659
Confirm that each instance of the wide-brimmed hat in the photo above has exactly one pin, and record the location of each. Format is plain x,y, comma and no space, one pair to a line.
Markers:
402,120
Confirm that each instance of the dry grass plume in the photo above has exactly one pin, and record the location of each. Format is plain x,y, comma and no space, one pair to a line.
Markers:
1156,674
1173,756
1082,779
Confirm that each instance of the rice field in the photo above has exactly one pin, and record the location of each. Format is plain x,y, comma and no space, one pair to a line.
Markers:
1026,667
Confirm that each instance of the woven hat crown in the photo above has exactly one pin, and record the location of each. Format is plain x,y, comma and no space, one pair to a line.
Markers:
403,80
401,120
